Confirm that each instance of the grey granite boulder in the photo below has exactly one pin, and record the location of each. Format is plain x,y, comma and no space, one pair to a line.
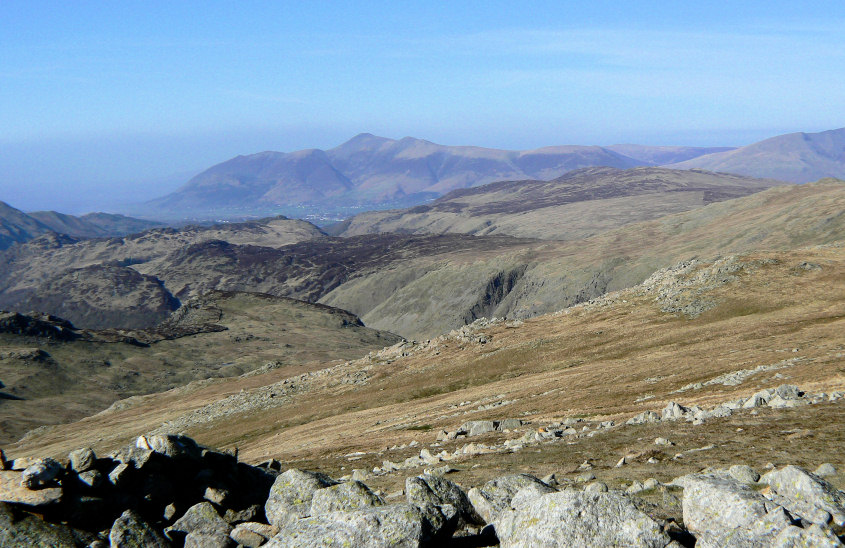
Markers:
722,511
577,519
347,496
394,526
131,531
208,540
173,446
806,495
811,537
82,459
673,411
743,473
200,518
476,428
29,531
495,495
291,495
41,473
252,534
437,491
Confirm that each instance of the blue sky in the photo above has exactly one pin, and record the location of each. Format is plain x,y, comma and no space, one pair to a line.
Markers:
103,103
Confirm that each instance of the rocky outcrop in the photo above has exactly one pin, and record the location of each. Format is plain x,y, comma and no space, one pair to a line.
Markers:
168,491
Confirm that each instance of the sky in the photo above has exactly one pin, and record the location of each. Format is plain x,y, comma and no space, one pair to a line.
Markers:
108,103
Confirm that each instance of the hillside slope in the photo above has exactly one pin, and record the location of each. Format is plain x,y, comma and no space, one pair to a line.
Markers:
577,205
699,333
422,286
795,157
105,283
54,373
541,277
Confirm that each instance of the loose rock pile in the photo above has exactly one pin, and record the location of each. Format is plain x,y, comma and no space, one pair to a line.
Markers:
168,491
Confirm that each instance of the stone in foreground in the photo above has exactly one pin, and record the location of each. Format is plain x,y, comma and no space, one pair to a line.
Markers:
131,531
291,495
11,490
393,526
577,519
495,495
807,495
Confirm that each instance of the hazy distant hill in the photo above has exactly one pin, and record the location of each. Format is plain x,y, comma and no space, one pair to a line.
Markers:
795,157
370,170
579,204
660,155
93,225
17,226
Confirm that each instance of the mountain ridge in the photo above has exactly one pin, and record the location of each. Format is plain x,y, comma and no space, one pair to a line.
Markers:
17,226
575,205
796,157
369,170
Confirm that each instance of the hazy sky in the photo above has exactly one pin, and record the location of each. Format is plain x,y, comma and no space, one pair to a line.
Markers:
110,102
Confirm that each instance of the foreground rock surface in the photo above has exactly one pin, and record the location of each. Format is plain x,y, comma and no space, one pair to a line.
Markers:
397,525
168,491
577,519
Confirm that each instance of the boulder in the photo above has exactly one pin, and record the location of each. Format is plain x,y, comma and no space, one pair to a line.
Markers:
82,459
12,491
813,536
788,392
508,424
91,478
743,473
208,540
806,495
394,526
495,495
41,473
131,531
673,411
721,511
347,496
476,428
434,490
252,534
596,487
291,494
27,530
173,446
121,474
643,418
758,399
825,470
200,518
573,518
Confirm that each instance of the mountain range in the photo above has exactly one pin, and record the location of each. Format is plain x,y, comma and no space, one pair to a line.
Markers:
371,172
413,285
